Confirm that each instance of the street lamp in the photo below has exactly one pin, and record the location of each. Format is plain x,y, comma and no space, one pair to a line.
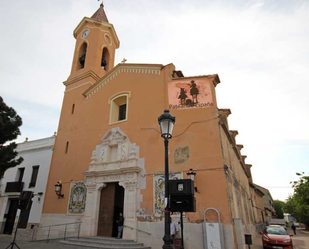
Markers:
191,174
166,122
58,188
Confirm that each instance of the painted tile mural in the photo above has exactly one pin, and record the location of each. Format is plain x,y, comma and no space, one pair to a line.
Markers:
77,198
159,189
189,93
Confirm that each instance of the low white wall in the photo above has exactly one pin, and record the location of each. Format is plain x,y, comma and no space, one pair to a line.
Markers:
149,233
55,219
58,228
193,235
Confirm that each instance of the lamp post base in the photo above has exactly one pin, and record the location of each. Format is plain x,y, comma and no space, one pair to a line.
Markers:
168,242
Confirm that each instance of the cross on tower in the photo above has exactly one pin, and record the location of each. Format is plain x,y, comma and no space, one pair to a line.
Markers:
124,60
102,2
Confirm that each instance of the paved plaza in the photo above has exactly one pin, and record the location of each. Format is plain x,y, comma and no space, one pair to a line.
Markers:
301,241
5,241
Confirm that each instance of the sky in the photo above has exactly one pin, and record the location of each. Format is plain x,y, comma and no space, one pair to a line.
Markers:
258,48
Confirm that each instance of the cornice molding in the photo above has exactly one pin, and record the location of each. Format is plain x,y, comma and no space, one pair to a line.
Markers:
82,76
76,87
239,146
119,171
234,146
225,111
215,77
39,144
153,69
233,133
37,149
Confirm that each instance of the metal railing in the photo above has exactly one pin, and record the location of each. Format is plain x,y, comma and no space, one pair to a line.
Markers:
58,231
139,230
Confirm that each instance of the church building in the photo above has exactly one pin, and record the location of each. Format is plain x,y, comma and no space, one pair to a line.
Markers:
109,155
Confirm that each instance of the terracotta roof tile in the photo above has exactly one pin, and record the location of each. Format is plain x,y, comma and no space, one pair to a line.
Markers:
100,15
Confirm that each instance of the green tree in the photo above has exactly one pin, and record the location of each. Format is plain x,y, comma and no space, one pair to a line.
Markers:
279,207
298,204
9,130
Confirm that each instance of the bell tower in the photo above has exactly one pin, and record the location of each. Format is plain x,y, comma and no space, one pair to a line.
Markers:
94,55
96,43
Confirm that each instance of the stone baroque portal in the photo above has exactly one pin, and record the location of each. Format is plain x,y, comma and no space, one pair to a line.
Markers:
114,160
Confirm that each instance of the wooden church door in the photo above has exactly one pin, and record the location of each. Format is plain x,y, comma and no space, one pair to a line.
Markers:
106,211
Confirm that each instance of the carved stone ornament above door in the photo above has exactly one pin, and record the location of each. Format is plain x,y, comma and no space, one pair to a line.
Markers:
114,160
114,155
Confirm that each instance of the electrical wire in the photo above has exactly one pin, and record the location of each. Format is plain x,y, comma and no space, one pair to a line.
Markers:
182,171
192,123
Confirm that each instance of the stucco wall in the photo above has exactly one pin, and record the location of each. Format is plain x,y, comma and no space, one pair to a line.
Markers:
237,182
195,128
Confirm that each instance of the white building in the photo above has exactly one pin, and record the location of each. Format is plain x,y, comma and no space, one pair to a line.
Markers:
30,175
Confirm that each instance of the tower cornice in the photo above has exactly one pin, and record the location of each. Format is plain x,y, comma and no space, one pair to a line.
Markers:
215,77
85,75
87,20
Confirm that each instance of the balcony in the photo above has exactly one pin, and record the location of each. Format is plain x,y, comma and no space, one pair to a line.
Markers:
14,187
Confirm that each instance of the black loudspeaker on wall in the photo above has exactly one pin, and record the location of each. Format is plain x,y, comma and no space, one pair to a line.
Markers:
24,200
182,195
182,203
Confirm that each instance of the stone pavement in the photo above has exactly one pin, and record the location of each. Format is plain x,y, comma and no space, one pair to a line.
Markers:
301,239
257,243
5,240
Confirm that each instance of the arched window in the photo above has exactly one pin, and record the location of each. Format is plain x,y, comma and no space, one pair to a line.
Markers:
105,59
119,108
82,56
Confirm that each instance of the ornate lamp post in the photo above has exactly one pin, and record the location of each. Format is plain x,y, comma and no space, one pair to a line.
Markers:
191,175
167,121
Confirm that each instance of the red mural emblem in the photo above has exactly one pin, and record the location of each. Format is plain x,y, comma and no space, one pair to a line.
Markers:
184,94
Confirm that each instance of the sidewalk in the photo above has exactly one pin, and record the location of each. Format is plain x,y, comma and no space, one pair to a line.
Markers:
5,241
257,243
301,239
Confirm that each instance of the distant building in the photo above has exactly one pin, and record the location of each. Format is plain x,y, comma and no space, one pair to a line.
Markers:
289,218
269,207
30,175
258,204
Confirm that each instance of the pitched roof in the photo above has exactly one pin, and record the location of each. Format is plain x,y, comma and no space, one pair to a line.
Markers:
100,15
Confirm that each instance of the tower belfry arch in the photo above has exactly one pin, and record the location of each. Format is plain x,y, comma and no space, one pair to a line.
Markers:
115,160
96,44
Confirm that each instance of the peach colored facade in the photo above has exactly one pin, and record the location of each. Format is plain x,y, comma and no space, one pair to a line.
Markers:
88,139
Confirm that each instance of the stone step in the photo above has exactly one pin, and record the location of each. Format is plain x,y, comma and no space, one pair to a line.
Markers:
100,238
107,242
104,243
